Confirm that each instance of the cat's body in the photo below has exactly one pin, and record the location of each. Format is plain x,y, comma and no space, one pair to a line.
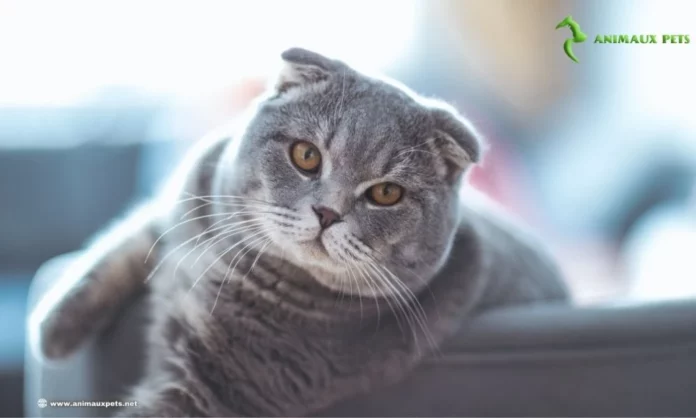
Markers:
281,313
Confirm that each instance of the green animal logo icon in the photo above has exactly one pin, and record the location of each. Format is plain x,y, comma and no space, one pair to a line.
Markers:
578,36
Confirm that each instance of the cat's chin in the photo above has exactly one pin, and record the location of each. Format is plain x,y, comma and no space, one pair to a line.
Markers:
314,253
313,256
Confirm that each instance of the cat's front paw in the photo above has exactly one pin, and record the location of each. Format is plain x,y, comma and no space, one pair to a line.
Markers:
58,339
62,332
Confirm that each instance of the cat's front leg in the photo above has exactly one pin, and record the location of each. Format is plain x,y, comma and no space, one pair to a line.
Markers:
166,400
94,287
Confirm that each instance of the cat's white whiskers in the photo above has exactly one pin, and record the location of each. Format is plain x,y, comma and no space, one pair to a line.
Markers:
398,288
341,292
375,290
185,256
419,150
229,272
199,207
214,262
242,205
400,301
253,205
238,201
339,107
416,307
343,283
238,227
224,228
218,196
350,294
424,282
227,231
172,251
213,226
408,298
426,286
224,277
405,288
412,148
181,223
357,285
178,224
256,260
359,262
278,210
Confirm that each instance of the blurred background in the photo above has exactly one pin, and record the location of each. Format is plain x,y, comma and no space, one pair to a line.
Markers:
99,100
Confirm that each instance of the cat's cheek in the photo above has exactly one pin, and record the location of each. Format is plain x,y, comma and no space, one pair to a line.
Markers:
332,244
408,253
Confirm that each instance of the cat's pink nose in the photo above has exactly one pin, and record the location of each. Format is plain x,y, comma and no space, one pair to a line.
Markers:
327,217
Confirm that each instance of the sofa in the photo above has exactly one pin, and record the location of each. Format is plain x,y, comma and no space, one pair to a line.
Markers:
620,359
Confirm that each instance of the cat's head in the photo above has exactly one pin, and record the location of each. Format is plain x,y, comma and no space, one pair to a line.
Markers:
351,177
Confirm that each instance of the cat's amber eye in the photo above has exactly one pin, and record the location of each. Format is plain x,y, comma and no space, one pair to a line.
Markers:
385,194
305,156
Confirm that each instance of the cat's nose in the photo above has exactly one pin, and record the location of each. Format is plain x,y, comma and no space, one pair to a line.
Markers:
327,217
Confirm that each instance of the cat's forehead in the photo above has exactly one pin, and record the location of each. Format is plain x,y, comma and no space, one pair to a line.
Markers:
366,127
380,112
375,132
363,113
384,101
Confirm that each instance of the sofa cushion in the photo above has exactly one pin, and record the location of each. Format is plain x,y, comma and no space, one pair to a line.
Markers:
618,360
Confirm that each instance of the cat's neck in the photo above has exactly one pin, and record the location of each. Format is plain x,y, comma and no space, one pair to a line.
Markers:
225,276
244,278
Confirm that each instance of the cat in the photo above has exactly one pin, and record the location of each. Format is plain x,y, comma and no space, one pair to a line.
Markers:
320,253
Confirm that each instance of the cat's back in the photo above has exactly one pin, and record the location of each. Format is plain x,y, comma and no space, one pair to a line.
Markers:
516,265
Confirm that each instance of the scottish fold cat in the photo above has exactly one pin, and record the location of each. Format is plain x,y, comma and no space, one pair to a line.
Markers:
320,253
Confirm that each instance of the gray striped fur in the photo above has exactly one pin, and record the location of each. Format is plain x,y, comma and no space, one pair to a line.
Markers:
287,326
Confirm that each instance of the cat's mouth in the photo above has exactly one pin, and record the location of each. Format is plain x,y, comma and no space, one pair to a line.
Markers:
316,252
315,248
318,248
320,245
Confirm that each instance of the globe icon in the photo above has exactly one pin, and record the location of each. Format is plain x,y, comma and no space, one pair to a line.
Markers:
42,403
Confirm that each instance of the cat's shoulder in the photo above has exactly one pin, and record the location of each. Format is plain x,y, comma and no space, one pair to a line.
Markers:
491,223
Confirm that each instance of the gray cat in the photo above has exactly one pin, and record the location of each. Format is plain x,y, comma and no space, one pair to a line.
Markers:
319,254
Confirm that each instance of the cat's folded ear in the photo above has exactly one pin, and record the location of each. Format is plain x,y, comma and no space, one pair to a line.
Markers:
302,67
456,141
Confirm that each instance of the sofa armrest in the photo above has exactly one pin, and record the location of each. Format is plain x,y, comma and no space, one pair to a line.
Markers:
620,360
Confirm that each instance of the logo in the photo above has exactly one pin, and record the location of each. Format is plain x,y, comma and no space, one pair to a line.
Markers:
42,403
642,39
578,36
645,38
